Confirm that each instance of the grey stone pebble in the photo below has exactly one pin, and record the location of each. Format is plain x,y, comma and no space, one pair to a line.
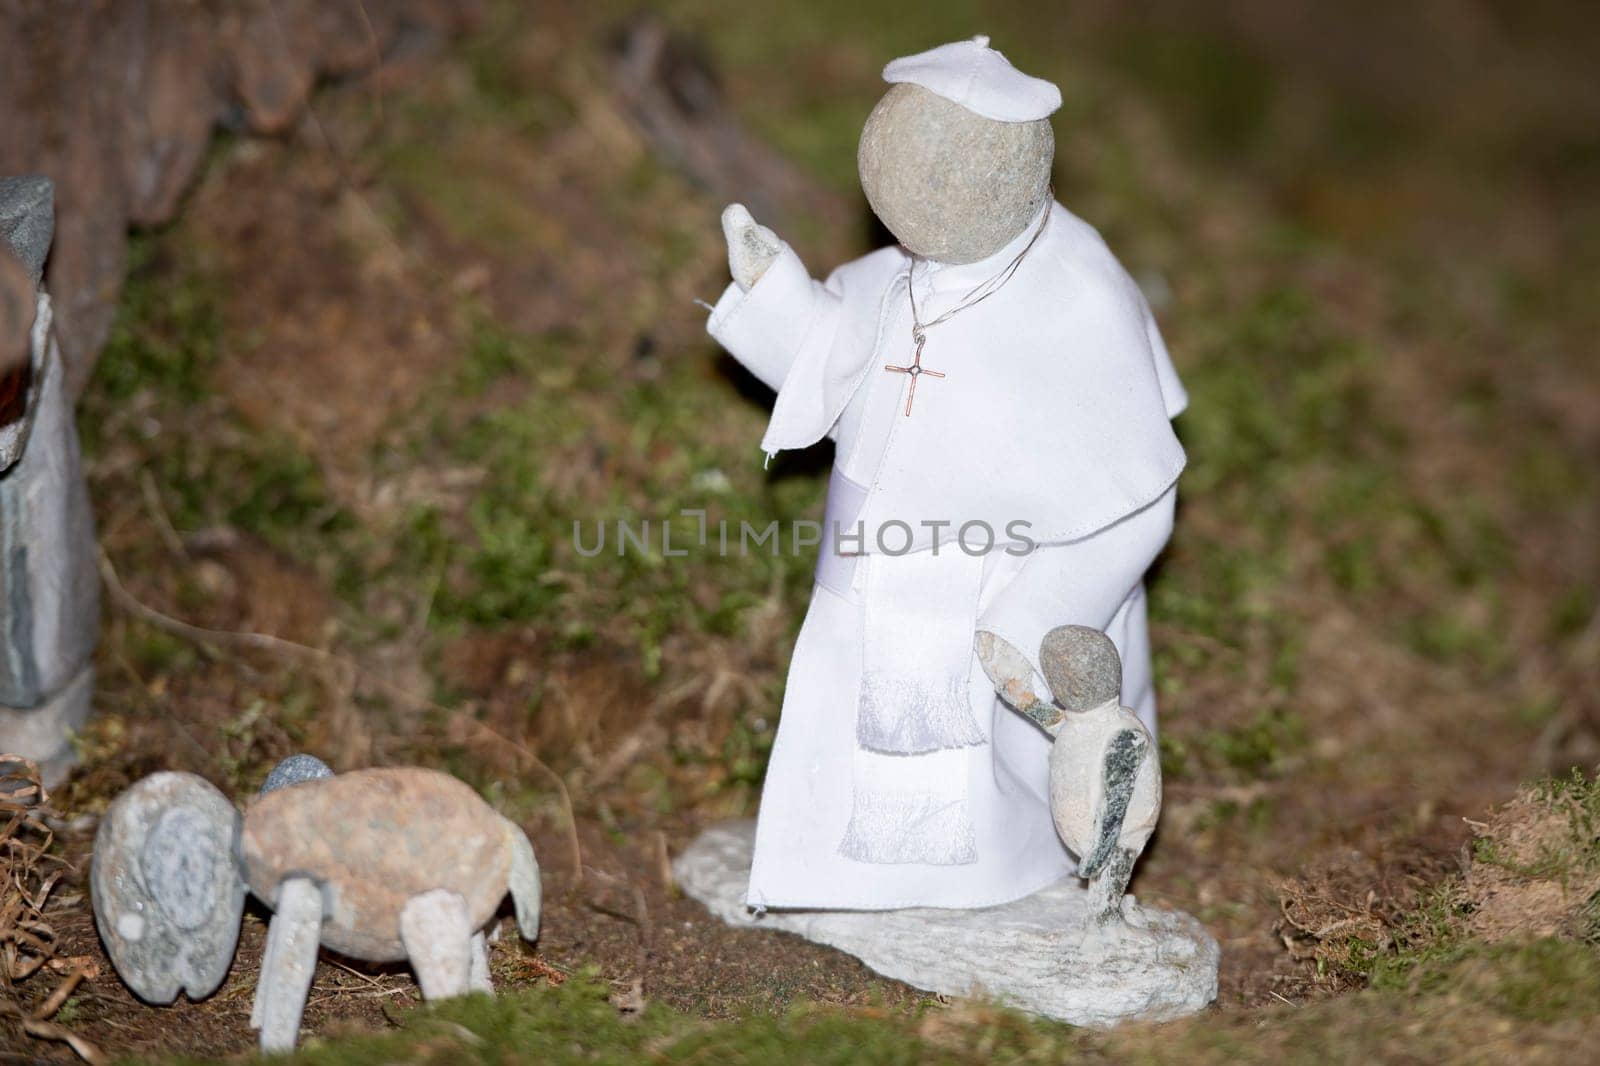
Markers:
1081,666
293,770
950,184
27,219
167,888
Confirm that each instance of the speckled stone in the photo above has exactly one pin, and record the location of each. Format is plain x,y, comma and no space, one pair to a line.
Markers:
374,839
293,770
1082,667
751,246
950,184
1038,953
28,220
44,733
49,587
166,888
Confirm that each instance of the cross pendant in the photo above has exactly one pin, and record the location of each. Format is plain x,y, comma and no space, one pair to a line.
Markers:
915,370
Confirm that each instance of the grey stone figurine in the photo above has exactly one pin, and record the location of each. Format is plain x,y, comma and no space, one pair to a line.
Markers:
1105,774
49,589
382,864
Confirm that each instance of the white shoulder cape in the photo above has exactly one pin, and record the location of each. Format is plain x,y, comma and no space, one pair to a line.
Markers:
1067,427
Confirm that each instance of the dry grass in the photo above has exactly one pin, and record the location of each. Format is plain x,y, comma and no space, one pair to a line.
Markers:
30,948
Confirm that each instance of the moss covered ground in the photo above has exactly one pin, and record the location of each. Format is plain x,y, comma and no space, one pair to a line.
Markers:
360,392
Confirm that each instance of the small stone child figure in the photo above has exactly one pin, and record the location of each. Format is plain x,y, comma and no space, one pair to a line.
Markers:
1105,775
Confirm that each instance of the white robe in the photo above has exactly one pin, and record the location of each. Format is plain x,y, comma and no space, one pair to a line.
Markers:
1054,412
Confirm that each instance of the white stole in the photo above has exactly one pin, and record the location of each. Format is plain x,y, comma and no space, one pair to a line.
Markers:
913,707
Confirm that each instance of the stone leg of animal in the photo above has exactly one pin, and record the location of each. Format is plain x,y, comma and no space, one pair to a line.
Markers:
288,964
437,934
480,980
258,1007
527,891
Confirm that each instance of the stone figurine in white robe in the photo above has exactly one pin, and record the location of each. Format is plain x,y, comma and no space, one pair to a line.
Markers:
897,777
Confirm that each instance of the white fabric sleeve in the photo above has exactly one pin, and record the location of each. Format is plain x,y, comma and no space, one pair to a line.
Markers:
1172,390
1084,582
766,328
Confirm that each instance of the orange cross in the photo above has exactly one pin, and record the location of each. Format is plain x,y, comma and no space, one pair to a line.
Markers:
914,371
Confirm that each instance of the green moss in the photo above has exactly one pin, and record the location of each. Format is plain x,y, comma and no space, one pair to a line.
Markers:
1591,920
576,1023
1424,942
523,551
1562,856
1523,987
1221,91
1279,402
1259,748
1543,981
1175,757
495,353
153,397
1429,942
165,338
155,651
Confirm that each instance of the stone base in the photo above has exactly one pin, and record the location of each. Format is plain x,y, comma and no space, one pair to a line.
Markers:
44,733
1033,954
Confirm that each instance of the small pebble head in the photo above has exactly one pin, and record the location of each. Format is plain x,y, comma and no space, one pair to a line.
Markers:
1081,666
950,184
293,770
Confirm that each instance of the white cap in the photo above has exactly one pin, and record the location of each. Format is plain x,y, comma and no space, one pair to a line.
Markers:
980,79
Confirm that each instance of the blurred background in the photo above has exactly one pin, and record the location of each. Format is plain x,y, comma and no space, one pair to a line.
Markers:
367,304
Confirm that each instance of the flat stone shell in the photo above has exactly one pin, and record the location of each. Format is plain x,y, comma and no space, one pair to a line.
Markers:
373,839
180,940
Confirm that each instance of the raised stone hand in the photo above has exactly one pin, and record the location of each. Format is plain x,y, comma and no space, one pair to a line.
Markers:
751,246
1013,679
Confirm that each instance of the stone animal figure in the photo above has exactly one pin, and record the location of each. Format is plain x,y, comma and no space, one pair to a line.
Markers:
380,864
1105,774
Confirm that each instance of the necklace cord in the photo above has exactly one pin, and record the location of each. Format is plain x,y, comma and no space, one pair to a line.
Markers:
979,292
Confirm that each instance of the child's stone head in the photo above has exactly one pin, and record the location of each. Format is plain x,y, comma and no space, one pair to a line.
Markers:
1082,667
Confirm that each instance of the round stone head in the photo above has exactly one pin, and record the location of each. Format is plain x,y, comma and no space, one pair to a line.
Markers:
1081,666
293,770
168,892
955,159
